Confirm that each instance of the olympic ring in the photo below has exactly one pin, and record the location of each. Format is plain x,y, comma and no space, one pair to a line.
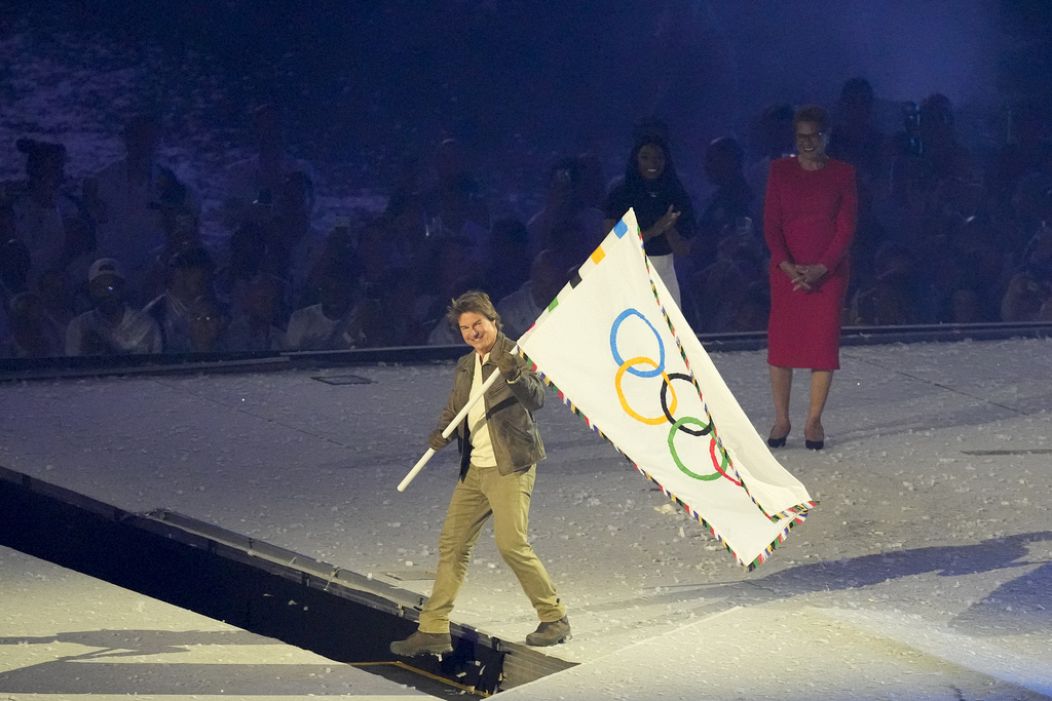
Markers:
659,367
720,462
705,427
627,366
675,455
723,462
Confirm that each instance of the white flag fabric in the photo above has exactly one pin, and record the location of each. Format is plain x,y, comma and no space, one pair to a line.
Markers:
618,351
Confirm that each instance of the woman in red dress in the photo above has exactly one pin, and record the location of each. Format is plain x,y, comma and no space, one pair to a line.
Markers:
808,222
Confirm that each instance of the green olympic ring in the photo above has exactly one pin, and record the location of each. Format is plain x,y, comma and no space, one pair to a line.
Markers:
715,445
675,455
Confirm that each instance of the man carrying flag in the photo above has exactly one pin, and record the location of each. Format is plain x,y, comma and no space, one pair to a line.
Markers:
500,447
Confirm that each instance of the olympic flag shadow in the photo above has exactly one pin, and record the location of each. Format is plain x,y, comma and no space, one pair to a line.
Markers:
1018,605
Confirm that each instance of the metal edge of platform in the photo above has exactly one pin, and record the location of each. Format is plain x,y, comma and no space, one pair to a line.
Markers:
519,663
52,368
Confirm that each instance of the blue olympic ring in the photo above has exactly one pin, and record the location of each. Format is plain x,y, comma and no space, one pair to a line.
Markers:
660,367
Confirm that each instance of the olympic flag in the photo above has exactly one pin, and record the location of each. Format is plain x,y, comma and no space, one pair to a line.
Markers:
619,353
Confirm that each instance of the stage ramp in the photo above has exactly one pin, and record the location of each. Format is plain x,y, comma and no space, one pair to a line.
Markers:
262,588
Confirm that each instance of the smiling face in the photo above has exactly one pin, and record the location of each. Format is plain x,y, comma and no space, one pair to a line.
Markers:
810,142
478,331
651,161
206,325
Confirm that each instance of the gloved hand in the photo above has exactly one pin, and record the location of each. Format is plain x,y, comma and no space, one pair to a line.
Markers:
508,364
436,441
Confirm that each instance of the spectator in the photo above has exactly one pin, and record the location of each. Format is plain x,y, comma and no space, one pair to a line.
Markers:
406,211
960,295
754,308
112,327
1031,205
1025,151
43,213
329,325
663,209
966,306
32,336
988,263
246,257
591,183
716,293
565,212
121,198
508,266
292,236
189,279
181,233
207,325
1029,293
375,254
378,325
15,264
929,135
451,269
60,303
253,327
773,139
569,250
336,252
889,299
731,202
258,178
8,230
856,140
939,139
854,137
903,211
522,307
456,204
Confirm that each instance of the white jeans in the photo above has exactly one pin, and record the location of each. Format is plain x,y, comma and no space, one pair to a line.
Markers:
666,269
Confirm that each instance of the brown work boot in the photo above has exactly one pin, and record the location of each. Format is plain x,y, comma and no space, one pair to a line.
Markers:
423,644
550,633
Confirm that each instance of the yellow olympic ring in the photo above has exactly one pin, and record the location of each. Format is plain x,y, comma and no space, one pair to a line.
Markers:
658,420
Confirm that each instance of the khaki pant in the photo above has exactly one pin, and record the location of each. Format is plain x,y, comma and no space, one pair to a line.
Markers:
485,491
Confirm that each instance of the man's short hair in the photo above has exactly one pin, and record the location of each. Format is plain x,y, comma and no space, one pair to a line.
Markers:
812,113
857,89
191,257
475,301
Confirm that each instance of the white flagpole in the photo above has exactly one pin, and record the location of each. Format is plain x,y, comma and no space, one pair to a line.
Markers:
452,426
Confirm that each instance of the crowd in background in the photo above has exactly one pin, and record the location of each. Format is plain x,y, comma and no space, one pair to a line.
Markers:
115,262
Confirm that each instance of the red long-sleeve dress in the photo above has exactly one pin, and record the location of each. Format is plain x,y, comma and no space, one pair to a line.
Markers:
808,218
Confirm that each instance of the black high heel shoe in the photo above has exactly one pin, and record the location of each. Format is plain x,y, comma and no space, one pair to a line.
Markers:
778,442
814,444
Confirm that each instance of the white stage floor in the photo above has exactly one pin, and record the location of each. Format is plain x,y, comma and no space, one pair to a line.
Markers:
65,635
925,571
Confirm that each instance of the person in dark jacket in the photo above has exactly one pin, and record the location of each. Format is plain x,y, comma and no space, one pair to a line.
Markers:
500,447
663,208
